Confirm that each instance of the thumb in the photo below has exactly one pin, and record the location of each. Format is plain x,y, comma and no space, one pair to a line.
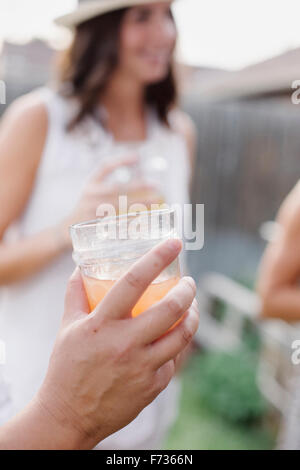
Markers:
76,302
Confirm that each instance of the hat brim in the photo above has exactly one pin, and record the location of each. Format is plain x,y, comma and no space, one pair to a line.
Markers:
91,9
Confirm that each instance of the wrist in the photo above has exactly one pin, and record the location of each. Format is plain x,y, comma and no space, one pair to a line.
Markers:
61,433
36,427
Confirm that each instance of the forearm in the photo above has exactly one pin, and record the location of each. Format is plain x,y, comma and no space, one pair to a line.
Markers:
25,257
282,303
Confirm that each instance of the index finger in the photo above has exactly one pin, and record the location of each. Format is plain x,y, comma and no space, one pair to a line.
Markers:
120,300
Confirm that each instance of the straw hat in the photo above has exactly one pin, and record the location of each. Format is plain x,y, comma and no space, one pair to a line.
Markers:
88,9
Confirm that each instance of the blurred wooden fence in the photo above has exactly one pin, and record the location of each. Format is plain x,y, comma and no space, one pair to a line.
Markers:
248,160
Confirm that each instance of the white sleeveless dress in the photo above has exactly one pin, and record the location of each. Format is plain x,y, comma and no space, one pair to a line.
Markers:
31,310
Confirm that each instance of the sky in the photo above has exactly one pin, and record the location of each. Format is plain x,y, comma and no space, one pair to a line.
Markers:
229,34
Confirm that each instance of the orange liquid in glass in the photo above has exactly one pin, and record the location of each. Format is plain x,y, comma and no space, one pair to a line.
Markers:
97,288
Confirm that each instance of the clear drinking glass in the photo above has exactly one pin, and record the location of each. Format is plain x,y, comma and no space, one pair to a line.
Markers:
106,248
151,168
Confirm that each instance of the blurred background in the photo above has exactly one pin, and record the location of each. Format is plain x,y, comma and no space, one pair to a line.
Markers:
236,63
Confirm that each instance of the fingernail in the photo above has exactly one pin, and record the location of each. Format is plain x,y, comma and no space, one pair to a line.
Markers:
191,282
175,244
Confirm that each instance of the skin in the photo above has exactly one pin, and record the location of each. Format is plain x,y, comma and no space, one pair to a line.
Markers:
278,282
88,391
148,38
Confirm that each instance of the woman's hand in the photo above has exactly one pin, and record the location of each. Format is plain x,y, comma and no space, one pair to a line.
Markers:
107,366
100,191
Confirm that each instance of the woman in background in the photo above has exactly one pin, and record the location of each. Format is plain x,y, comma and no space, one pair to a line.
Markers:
116,91
279,289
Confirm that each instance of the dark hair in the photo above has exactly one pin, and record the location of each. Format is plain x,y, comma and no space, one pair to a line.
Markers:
86,67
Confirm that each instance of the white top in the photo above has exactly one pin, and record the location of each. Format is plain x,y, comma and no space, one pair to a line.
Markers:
31,310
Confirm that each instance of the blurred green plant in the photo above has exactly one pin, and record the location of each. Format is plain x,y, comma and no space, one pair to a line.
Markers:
198,427
251,337
226,384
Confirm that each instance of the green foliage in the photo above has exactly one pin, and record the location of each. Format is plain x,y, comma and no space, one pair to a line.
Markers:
200,428
219,310
251,337
226,384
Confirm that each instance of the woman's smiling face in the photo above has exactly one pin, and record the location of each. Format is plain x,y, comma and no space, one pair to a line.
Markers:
147,41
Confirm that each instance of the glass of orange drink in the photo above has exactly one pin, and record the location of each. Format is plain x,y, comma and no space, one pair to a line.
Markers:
106,248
